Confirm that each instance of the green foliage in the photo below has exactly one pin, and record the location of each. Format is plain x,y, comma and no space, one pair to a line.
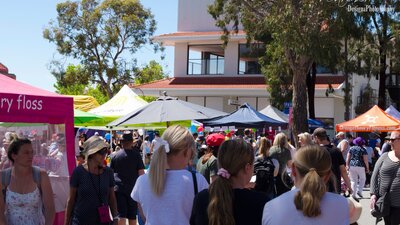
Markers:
102,36
75,81
151,72
278,75
306,31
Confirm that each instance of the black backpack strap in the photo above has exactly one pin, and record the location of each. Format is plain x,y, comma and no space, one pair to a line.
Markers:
5,181
5,177
196,190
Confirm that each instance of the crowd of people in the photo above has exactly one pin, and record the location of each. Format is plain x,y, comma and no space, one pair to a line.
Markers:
216,178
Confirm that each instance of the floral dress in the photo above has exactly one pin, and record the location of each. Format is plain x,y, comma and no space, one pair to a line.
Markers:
24,209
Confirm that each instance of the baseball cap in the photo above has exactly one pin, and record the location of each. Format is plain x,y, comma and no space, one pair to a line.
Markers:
320,133
215,140
340,134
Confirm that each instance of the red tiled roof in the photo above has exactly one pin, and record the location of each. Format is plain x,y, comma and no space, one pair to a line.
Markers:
227,82
3,69
198,33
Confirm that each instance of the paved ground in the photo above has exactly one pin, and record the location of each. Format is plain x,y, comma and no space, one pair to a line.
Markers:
366,218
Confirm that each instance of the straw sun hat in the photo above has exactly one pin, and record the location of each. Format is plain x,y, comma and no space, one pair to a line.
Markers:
93,145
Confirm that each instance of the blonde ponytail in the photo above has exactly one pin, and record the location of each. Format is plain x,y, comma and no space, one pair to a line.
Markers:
158,166
313,164
177,139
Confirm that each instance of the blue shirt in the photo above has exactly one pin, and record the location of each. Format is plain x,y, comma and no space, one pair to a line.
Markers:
356,156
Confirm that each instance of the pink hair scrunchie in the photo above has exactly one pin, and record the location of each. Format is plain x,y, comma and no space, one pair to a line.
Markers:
223,173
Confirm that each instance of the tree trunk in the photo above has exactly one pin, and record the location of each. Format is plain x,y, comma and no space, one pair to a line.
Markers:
382,77
347,96
311,78
299,101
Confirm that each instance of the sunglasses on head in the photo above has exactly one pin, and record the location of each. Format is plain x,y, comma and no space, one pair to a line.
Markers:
102,151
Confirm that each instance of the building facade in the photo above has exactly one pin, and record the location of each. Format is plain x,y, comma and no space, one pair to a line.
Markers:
223,77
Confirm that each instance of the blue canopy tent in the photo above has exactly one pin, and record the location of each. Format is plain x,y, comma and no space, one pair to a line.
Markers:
245,117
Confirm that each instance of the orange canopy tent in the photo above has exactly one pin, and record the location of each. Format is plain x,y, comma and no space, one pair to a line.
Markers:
374,119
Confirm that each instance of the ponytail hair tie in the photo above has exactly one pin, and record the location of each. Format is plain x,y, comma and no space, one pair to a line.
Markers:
223,173
166,145
312,169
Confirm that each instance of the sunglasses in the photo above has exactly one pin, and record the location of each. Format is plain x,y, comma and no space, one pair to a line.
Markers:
102,151
393,139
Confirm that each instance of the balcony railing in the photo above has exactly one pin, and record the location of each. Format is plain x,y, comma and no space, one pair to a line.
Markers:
206,66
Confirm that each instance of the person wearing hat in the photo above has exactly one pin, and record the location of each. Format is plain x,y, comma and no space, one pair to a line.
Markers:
343,144
310,202
338,163
91,195
357,165
128,165
207,164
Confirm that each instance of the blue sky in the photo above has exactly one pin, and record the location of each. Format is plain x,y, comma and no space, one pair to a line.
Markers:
27,54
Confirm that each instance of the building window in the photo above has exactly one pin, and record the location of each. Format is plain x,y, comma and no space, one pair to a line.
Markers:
205,60
323,70
248,58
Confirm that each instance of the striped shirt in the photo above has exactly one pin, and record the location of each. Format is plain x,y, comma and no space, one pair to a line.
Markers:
383,173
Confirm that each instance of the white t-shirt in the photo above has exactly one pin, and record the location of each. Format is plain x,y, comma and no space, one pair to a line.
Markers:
156,142
174,206
344,153
282,211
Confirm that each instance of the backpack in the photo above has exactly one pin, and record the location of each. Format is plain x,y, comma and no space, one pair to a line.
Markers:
264,171
6,177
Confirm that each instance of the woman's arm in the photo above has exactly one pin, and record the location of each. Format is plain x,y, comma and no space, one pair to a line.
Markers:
365,158
70,205
2,205
348,160
113,205
47,198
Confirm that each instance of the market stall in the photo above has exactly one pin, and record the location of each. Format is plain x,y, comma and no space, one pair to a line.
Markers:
374,119
38,114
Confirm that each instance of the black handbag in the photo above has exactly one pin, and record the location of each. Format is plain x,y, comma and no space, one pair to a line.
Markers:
382,204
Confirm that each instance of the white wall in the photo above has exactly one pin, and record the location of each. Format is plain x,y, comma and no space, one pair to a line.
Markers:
262,103
181,59
339,110
196,100
193,16
215,103
231,58
324,107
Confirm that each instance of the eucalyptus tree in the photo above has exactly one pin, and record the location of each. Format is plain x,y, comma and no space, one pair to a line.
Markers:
306,29
102,36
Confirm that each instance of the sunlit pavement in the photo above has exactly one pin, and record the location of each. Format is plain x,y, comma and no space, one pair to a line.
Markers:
366,217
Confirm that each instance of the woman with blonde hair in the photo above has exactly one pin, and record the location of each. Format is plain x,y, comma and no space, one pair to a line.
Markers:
165,194
265,169
281,152
309,203
228,201
305,139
